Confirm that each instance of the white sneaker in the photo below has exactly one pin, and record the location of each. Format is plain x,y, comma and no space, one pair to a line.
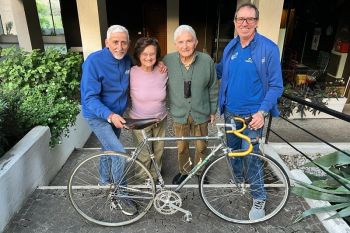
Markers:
258,209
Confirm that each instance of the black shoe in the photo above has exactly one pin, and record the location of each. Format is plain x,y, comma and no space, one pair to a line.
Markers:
128,207
179,178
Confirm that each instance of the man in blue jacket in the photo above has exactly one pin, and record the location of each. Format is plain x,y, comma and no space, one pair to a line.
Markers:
251,83
104,88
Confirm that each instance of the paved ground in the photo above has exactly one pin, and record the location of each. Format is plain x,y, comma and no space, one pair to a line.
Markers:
49,210
331,130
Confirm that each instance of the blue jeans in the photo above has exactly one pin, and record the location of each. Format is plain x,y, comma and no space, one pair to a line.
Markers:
247,168
110,168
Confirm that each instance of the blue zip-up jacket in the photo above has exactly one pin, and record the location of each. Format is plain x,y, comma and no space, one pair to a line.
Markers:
265,54
104,84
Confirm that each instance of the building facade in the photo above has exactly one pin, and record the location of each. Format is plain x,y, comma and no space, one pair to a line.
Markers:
312,34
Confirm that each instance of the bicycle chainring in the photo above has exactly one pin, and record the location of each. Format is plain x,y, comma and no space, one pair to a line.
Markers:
163,199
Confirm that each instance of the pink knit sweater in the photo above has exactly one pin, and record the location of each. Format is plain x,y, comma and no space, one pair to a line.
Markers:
148,93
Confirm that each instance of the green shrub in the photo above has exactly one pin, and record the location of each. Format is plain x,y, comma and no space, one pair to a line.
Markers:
46,85
50,109
10,128
3,140
21,69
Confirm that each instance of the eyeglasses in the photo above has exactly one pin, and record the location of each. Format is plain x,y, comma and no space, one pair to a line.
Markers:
249,20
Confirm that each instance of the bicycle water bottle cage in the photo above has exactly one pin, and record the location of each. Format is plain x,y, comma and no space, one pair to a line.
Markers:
140,123
238,133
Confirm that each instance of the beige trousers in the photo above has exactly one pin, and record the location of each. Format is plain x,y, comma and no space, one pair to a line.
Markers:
155,130
190,129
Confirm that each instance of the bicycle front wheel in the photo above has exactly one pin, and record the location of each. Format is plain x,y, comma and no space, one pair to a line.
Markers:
124,199
229,185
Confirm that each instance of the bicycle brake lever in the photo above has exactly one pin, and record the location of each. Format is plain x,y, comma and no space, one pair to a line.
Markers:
254,141
248,119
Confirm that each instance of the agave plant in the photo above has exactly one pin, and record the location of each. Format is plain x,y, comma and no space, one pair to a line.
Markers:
333,186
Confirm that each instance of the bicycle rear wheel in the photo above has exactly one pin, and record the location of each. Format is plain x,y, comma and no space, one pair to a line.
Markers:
102,203
228,193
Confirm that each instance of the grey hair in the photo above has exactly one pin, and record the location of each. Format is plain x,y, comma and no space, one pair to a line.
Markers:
251,6
117,28
184,28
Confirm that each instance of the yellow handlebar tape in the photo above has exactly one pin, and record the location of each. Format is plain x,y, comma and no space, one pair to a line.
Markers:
238,133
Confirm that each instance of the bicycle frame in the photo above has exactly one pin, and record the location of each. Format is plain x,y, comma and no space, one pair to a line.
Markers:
222,146
215,179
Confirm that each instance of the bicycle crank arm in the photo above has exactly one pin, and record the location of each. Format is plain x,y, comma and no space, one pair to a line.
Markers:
188,215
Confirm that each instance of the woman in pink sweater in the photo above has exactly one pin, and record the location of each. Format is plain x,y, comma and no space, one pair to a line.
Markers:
148,94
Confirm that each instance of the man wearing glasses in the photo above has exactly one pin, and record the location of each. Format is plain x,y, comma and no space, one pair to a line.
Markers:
251,83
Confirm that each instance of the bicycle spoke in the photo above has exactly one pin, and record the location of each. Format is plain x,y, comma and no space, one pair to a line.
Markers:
104,204
229,195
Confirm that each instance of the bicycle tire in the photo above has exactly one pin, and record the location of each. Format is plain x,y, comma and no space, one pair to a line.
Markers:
226,197
99,203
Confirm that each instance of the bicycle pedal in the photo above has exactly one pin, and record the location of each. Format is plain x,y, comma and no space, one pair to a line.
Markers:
187,218
113,206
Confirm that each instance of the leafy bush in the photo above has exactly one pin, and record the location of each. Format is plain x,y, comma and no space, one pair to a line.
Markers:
315,93
41,88
3,141
10,129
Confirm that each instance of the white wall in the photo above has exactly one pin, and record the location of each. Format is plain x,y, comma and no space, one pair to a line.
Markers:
172,23
270,18
6,15
92,19
30,163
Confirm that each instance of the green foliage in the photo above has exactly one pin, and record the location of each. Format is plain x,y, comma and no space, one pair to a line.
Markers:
329,160
315,93
45,17
49,109
46,85
10,130
43,13
332,187
3,141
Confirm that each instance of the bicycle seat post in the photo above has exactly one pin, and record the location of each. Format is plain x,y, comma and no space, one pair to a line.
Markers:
144,135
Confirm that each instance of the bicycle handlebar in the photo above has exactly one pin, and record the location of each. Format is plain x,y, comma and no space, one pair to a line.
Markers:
238,133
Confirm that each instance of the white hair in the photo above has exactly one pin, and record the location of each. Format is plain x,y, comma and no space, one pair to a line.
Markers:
184,28
117,28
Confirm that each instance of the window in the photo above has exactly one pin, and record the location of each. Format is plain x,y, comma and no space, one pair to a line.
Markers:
49,12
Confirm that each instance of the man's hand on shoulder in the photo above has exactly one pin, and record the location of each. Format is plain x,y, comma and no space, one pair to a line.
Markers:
162,67
212,118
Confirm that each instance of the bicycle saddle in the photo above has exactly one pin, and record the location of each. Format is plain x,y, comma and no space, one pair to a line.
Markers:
140,123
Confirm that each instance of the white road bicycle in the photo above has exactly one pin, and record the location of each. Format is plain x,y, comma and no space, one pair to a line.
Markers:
223,192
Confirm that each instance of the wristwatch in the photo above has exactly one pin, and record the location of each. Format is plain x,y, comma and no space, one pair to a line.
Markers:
109,119
263,113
